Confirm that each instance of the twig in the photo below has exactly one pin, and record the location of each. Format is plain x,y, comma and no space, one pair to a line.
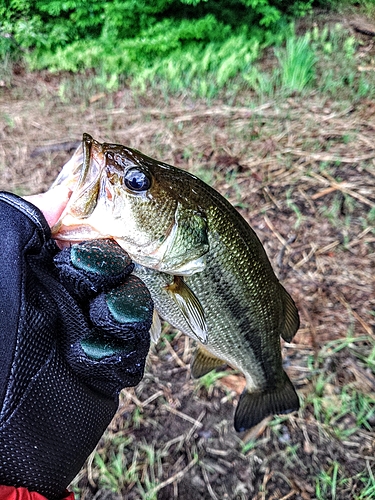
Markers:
336,115
89,469
267,476
173,353
364,325
224,110
288,495
307,257
183,415
179,117
133,397
272,227
328,247
340,186
176,477
272,198
49,148
280,257
196,425
208,484
187,351
329,157
360,236
175,440
151,398
323,192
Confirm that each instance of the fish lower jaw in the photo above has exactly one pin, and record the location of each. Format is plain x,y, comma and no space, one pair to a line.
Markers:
75,233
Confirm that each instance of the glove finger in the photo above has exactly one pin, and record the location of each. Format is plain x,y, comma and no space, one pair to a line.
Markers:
119,341
91,267
123,311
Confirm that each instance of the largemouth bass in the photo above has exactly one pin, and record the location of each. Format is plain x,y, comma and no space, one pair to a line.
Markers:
206,269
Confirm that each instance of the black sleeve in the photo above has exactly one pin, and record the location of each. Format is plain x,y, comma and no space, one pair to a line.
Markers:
55,402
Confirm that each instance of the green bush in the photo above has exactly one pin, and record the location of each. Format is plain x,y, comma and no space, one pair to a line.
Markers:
146,41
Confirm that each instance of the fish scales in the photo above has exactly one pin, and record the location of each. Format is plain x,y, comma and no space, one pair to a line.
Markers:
206,269
236,298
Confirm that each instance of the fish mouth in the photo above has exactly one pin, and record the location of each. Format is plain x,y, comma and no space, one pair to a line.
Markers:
81,174
84,200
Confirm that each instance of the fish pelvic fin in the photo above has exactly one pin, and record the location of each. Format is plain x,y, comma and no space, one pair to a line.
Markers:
204,362
190,307
291,316
155,330
253,407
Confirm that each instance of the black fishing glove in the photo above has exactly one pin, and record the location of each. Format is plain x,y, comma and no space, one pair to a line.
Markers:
73,332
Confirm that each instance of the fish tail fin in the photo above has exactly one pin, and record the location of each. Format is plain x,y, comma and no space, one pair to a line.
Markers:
291,323
253,407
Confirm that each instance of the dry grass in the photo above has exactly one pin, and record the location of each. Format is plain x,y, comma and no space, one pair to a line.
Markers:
302,172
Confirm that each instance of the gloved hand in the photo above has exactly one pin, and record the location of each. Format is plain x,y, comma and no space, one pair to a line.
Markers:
73,332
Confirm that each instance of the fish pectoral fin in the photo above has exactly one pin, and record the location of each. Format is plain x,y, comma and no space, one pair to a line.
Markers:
291,324
204,362
189,306
155,330
253,407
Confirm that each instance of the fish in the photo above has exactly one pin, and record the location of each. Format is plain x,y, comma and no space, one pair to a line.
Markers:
207,271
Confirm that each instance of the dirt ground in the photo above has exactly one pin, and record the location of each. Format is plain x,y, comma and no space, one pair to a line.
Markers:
301,171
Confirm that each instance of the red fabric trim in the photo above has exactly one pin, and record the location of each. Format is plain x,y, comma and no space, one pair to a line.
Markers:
12,493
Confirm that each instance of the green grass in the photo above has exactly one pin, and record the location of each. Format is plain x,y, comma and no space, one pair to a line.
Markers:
297,64
335,405
116,472
327,482
324,58
209,380
368,491
330,483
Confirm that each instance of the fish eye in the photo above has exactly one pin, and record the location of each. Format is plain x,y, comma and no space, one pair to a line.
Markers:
136,180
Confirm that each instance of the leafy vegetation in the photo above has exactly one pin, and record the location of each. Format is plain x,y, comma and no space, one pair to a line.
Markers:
197,44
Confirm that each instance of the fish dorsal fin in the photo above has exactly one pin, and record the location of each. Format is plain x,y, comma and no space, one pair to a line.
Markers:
204,362
155,330
189,306
291,324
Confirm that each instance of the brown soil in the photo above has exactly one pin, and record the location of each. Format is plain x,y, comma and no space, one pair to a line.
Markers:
302,172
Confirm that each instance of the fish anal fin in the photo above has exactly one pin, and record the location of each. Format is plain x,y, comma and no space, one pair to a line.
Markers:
155,330
190,307
204,362
253,407
291,316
